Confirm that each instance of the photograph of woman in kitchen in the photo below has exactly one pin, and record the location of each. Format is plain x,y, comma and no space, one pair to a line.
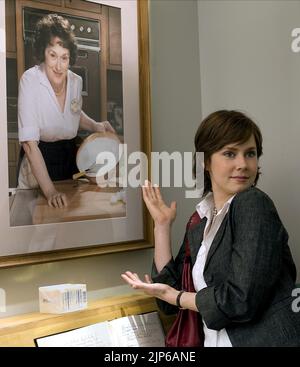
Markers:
242,268
50,111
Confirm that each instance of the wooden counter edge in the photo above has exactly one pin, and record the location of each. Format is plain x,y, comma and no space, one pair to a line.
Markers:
21,330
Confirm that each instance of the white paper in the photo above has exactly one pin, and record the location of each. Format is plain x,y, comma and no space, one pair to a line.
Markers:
131,331
138,331
97,335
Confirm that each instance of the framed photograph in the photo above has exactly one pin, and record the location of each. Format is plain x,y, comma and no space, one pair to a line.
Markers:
106,83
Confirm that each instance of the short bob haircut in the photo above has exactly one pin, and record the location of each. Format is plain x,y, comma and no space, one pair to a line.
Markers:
50,26
219,129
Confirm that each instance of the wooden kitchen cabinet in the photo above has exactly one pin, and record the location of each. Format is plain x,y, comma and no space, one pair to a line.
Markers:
10,28
12,176
114,39
51,2
82,5
13,158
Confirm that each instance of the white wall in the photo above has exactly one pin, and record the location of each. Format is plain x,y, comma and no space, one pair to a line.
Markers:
175,114
176,95
246,63
100,273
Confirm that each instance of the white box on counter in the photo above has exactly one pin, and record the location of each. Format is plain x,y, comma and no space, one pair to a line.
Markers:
62,298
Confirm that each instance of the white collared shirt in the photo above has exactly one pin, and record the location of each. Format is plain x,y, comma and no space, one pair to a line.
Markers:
213,338
39,114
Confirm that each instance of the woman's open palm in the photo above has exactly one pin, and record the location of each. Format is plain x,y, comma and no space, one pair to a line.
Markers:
160,212
152,289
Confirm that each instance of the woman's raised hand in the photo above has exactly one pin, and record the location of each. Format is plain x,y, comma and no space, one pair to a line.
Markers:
160,212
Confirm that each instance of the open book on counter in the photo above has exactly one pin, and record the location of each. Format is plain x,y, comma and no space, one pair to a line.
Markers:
143,330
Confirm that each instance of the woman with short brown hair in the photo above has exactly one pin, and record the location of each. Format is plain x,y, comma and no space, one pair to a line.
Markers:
242,268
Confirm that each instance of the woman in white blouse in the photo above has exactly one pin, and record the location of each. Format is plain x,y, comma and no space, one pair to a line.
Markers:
242,268
49,111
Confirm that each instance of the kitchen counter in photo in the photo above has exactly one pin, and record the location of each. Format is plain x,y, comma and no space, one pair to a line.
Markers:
86,201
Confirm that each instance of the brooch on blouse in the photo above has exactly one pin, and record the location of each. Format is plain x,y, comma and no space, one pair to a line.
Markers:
75,106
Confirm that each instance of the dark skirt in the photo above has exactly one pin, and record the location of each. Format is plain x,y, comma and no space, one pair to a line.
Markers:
59,157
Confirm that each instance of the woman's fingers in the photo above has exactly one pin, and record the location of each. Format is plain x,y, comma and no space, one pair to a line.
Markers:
148,279
55,202
160,212
108,127
152,192
157,193
136,276
128,280
145,193
132,277
58,201
150,288
148,199
174,205
133,280
149,191
64,199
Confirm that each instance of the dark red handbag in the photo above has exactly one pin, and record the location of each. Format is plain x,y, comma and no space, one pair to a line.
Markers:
187,329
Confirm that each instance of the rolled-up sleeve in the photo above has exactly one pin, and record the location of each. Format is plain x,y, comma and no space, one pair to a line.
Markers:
257,249
28,124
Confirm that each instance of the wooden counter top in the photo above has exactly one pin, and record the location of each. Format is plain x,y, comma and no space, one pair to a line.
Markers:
86,201
21,330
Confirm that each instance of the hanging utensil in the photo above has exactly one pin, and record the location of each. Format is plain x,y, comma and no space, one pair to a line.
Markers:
82,173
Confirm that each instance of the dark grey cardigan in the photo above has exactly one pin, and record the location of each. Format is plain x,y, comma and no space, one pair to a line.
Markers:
249,272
